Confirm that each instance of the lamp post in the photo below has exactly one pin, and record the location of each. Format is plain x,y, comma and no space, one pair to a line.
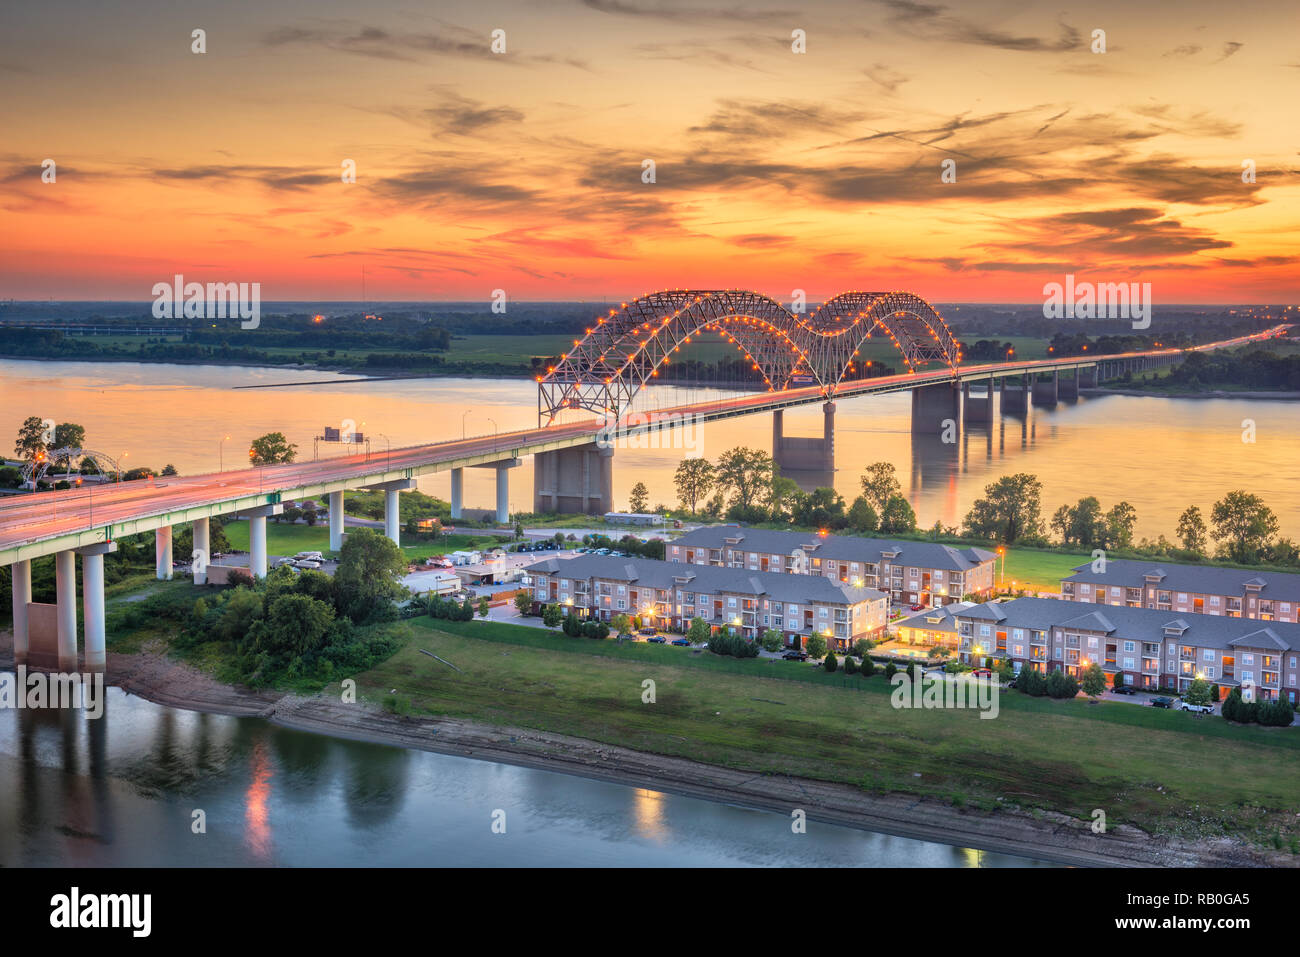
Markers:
388,449
462,423
221,462
496,431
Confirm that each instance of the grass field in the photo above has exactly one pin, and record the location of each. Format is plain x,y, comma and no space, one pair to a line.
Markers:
1039,570
1164,771
285,539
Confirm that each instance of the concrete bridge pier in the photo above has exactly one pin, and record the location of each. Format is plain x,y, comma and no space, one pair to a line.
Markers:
65,590
1015,394
92,596
805,454
21,586
162,553
457,492
976,407
933,406
574,481
1046,393
1068,386
257,562
1087,377
393,506
201,539
337,518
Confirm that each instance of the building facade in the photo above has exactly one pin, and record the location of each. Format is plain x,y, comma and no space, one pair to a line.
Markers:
1151,647
1192,589
925,573
668,595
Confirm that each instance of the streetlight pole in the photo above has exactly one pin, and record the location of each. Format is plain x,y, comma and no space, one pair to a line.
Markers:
496,431
221,466
388,450
462,423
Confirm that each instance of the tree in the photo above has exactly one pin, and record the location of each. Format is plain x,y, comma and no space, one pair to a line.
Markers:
519,531
639,500
1119,525
880,484
772,640
897,516
1062,685
822,508
784,498
850,666
31,438
1118,680
552,616
698,632
368,577
1011,509
484,606
694,480
744,474
891,669
1243,524
271,449
862,646
1198,692
815,646
1191,530
862,517
831,662
294,625
169,469
1031,682
622,624
1094,680
867,668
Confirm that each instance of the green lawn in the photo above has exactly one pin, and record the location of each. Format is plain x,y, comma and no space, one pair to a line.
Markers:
1165,771
285,539
1039,570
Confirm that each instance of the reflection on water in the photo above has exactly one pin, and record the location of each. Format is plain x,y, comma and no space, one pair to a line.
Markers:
122,791
1158,454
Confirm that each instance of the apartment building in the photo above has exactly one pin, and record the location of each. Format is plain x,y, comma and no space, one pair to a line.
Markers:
925,573
1194,589
1153,648
669,595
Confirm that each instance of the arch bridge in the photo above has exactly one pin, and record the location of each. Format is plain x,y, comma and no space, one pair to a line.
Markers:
625,349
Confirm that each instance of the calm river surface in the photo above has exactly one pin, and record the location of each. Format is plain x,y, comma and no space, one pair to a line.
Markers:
1159,454
121,790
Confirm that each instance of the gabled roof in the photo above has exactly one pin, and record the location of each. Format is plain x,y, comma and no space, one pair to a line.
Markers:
1263,638
1092,621
848,548
1193,579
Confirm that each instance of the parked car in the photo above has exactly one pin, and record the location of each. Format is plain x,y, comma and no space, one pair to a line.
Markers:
917,606
1161,703
795,656
1124,689
646,631
626,636
681,642
306,563
1196,708
657,639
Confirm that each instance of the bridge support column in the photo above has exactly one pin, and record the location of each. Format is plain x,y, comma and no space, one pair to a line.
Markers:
337,519
933,406
393,506
828,437
201,546
257,563
22,595
503,494
1015,394
574,481
778,432
65,587
1087,377
162,553
793,453
977,408
457,492
92,596
1068,387
1045,393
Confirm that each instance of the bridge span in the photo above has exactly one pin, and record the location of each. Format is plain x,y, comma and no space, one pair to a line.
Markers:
572,473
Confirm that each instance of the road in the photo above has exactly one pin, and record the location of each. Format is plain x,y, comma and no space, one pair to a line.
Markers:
52,515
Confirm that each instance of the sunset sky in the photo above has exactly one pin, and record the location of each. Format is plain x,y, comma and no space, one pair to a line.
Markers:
523,170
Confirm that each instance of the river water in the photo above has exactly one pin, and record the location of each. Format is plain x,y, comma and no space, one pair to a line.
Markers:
122,790
1158,454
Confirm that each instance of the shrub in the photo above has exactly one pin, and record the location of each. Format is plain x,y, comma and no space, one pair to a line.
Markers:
1061,685
831,662
890,671
867,668
850,666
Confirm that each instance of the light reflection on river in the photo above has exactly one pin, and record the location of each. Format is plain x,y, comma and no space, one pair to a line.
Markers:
1159,454
122,791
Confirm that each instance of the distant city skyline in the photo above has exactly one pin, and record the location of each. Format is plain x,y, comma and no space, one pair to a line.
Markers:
774,170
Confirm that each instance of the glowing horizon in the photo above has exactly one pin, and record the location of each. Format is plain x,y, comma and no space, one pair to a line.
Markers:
774,171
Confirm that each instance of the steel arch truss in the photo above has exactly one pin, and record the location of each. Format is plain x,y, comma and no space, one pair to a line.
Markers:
626,348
